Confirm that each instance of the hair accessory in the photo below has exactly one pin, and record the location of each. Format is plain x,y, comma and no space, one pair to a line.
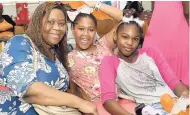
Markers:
137,20
84,9
98,4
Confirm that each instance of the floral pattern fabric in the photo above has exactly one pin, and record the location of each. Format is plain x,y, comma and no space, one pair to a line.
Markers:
17,72
83,68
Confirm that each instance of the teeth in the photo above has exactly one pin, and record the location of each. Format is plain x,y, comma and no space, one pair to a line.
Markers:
84,41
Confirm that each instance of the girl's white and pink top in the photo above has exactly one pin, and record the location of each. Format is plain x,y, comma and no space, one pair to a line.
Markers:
145,80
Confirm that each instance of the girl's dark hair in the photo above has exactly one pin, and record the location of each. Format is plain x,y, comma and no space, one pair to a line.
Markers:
82,15
123,24
35,33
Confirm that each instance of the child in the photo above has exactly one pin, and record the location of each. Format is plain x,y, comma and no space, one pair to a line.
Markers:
138,73
84,61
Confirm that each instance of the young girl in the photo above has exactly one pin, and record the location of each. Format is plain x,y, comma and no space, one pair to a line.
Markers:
85,60
138,73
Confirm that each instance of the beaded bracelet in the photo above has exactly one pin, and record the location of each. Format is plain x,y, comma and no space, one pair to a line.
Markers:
98,4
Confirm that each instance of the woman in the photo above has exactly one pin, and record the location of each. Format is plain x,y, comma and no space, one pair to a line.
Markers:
46,84
169,31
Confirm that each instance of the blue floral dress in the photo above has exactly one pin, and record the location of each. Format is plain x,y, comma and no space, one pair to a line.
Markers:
18,73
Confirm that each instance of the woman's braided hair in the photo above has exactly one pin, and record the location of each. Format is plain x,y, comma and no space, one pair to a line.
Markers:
35,33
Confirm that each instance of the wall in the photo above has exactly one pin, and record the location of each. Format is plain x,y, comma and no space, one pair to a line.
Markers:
10,9
147,5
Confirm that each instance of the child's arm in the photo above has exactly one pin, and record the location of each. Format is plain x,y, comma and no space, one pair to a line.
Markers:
72,87
107,75
113,12
167,74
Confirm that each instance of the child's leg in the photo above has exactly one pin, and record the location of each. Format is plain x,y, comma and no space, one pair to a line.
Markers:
126,104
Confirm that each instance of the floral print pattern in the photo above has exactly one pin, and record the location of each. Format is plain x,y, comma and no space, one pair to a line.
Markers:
17,72
84,68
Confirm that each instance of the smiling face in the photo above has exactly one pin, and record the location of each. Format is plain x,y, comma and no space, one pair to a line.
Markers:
84,32
128,39
53,27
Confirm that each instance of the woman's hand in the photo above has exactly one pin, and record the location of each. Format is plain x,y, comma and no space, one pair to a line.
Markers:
88,107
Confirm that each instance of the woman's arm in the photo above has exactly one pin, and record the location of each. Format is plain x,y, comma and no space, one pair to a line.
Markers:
41,94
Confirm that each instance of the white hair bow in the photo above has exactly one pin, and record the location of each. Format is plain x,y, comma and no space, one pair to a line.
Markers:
137,20
84,9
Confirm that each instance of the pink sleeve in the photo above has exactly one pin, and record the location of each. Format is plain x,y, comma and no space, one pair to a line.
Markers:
107,73
167,73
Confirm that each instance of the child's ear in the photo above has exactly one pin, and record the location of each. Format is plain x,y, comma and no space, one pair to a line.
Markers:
72,29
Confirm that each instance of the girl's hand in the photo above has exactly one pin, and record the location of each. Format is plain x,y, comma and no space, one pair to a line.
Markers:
90,3
181,90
